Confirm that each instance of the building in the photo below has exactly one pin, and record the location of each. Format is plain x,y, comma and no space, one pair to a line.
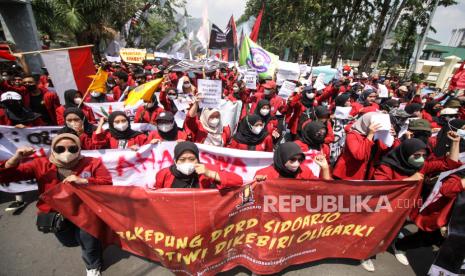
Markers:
457,38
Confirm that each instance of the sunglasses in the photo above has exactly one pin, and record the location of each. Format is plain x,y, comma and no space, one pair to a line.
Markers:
293,159
71,149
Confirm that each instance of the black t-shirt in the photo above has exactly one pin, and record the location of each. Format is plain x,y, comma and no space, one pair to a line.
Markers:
37,105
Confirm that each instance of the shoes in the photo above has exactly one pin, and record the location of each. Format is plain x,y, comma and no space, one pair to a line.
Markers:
94,272
368,265
16,205
401,256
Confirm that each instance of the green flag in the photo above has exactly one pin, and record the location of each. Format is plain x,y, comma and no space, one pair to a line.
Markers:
255,57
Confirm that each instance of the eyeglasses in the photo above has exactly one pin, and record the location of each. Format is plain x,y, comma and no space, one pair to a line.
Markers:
71,149
293,159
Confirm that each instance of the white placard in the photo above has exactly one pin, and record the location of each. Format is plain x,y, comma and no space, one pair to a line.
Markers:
250,78
179,118
383,91
287,88
383,120
342,112
210,92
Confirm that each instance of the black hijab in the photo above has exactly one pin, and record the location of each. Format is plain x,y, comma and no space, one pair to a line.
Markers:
168,117
181,180
88,127
309,134
443,142
17,113
342,99
121,135
69,98
153,100
244,134
308,103
260,105
398,157
363,97
429,108
282,154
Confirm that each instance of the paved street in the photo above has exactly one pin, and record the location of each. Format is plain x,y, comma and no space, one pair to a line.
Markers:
25,251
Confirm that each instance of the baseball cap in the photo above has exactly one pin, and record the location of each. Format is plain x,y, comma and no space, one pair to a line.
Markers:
10,95
420,124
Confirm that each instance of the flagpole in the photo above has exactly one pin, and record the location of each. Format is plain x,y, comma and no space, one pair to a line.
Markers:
87,91
58,49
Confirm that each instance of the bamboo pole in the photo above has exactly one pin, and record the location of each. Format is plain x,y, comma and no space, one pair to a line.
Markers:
58,49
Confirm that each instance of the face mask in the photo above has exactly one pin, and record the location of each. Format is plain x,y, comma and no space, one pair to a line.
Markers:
320,137
172,97
76,126
185,168
416,163
149,105
66,157
278,113
77,100
214,122
267,92
95,94
165,127
186,85
461,133
264,111
236,89
31,88
121,127
257,129
310,95
292,166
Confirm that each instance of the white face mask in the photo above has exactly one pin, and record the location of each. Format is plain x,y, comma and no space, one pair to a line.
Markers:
236,89
149,105
185,168
264,111
76,126
461,133
165,127
77,100
278,113
292,166
121,127
172,97
310,95
214,122
66,157
257,129
95,94
267,92
186,85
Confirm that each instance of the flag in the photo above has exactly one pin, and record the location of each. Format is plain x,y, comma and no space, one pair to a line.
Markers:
99,81
142,92
458,80
217,38
231,33
256,26
255,57
202,34
69,68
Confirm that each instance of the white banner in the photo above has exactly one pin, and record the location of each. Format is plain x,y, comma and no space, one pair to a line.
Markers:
104,109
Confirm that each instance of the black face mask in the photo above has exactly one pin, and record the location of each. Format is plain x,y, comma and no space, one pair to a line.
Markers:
31,88
319,138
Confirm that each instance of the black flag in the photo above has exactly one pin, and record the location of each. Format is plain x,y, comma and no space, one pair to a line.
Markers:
217,38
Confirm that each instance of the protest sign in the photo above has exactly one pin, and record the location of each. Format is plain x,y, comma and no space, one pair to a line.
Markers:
104,109
342,112
244,226
113,59
303,69
287,88
383,91
132,55
287,71
210,92
250,78
329,73
179,118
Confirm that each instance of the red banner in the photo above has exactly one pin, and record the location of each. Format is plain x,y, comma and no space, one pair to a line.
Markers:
264,227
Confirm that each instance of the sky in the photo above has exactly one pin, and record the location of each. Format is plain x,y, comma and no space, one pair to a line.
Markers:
219,12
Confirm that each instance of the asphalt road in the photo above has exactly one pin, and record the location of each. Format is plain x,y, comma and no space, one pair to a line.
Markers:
25,251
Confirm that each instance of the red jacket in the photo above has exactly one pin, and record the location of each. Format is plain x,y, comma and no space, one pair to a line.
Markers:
265,145
437,214
385,172
324,148
145,116
167,104
425,115
358,108
46,174
353,162
5,121
195,130
87,143
272,173
275,102
155,135
60,112
105,140
164,179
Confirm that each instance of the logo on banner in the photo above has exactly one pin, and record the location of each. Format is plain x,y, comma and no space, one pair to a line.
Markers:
260,60
86,174
246,196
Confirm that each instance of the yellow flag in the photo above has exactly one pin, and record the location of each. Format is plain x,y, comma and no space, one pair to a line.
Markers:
99,82
142,92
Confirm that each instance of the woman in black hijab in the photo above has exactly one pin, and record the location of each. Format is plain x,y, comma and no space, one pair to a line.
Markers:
73,98
263,110
188,172
288,161
313,137
77,124
251,134
441,143
119,134
13,112
167,129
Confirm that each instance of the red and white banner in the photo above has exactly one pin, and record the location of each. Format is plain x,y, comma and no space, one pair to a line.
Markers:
69,68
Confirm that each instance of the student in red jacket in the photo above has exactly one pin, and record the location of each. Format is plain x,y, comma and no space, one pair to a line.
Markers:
148,112
288,161
353,162
13,113
167,130
77,124
270,94
366,101
208,129
73,98
263,110
188,172
119,134
65,164
313,137
252,135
